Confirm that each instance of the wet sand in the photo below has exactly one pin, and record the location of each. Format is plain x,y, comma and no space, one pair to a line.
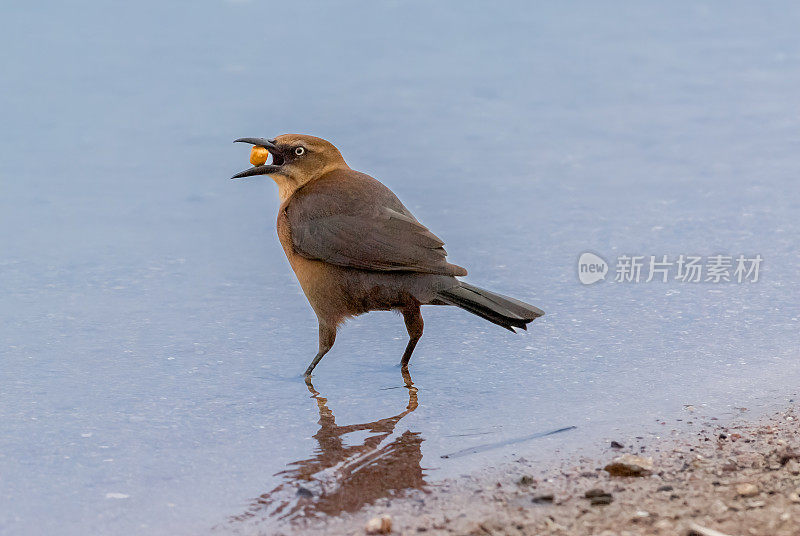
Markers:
737,478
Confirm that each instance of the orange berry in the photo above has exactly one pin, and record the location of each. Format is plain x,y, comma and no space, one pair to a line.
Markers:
258,155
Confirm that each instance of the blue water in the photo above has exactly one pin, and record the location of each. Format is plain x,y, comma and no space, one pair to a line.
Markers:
153,336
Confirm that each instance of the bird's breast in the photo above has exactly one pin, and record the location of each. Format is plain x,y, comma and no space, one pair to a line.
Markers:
316,278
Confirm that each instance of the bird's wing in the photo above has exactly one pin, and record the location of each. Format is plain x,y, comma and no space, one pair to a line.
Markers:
350,219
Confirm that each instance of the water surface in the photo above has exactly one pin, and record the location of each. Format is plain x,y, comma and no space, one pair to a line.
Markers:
153,336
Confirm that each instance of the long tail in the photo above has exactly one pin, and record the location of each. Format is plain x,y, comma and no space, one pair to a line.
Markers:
495,308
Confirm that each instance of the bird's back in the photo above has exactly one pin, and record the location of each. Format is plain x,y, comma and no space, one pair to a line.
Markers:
350,219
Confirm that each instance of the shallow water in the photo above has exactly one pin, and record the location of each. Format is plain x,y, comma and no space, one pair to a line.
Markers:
153,335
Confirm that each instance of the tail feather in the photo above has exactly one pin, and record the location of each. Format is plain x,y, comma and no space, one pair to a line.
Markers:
496,308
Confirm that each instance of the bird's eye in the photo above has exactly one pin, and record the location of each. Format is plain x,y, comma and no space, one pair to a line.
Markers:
299,151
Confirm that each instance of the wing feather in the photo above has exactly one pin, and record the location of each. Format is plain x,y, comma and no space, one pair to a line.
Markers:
350,219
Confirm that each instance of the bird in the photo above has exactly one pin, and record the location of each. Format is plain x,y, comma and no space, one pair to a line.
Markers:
355,247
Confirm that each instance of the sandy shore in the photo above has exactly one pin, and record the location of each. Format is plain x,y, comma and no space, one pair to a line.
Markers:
742,478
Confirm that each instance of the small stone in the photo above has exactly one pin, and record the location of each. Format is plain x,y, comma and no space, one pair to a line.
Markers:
718,507
662,524
793,466
795,496
379,525
746,489
751,460
630,465
698,462
616,445
553,526
526,480
304,492
699,530
602,500
597,496
641,514
543,498
665,488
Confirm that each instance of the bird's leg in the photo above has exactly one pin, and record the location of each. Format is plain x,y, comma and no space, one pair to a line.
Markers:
327,335
414,325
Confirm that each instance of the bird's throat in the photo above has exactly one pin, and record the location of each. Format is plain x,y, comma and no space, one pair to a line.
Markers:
286,186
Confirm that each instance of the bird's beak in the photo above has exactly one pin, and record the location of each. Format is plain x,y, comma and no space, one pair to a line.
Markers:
265,169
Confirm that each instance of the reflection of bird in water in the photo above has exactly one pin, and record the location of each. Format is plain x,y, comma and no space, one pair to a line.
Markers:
343,477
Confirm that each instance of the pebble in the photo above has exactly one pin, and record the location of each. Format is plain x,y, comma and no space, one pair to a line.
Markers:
379,525
746,489
793,466
630,465
602,500
526,480
598,496
594,492
718,507
729,468
662,524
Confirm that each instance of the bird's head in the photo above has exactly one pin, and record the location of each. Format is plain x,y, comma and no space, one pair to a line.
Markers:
296,160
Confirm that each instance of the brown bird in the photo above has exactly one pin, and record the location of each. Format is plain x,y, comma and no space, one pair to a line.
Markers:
355,248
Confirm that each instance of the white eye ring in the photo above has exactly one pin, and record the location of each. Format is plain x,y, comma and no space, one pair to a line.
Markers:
299,151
